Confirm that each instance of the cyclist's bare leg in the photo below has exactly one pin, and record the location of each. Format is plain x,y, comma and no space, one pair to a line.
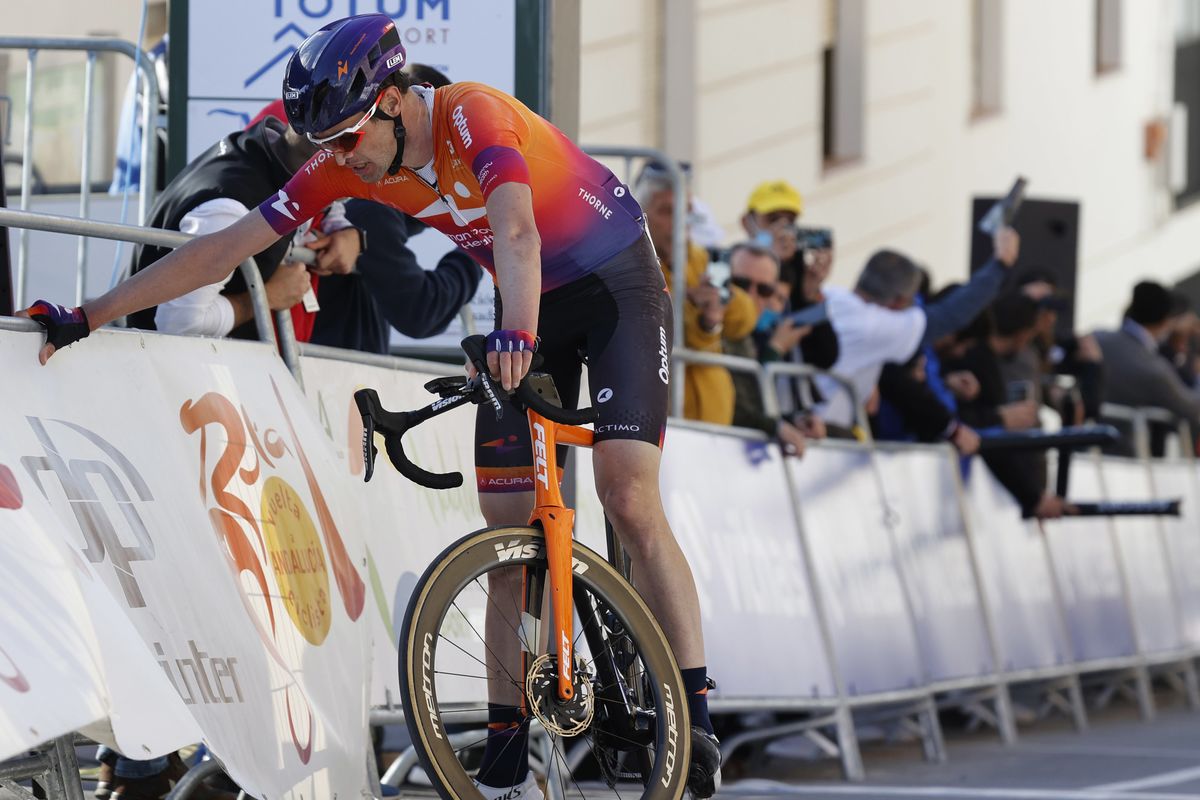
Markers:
504,761
627,484
504,587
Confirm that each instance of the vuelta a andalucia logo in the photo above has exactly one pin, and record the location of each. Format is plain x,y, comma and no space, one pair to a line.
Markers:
238,458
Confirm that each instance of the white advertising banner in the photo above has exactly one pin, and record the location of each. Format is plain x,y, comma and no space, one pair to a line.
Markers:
1016,578
927,521
1089,577
189,474
1180,480
408,524
863,594
1144,557
727,500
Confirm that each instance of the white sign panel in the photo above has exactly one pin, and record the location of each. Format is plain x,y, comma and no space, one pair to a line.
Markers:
237,51
1089,577
927,521
1180,480
1016,577
863,594
189,474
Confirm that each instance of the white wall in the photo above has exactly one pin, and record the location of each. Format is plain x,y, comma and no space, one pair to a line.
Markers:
1074,134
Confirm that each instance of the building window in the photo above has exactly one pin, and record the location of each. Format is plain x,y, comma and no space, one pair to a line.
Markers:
1108,35
986,63
1184,136
843,84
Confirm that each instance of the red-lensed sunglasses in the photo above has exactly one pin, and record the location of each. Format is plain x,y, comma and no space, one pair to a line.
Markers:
345,141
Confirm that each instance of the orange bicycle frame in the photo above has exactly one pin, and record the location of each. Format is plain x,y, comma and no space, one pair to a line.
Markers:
557,523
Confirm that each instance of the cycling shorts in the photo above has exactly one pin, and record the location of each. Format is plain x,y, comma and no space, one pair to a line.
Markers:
619,317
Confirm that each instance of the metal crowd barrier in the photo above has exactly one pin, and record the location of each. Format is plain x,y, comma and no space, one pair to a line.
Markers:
90,46
1140,420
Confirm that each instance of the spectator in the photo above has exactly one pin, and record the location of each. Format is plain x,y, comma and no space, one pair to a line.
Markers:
708,392
1180,345
1011,329
802,282
877,323
756,270
770,219
1134,373
216,190
920,403
1053,354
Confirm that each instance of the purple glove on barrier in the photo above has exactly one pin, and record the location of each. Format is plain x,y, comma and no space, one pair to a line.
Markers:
506,341
64,326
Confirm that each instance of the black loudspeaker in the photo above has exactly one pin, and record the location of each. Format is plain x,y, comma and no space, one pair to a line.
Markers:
1049,241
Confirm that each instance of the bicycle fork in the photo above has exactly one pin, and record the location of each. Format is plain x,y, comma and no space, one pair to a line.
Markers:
557,523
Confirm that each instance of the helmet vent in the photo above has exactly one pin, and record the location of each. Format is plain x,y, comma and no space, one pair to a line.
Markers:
356,86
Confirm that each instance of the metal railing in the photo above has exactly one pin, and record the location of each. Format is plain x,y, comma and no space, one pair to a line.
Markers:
28,220
90,46
1140,419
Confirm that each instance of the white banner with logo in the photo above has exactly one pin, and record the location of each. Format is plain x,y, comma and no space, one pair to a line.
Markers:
190,477
188,552
409,525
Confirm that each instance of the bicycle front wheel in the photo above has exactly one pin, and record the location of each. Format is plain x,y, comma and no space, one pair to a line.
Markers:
474,637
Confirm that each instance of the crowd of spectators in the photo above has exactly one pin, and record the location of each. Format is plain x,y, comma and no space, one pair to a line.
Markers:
895,358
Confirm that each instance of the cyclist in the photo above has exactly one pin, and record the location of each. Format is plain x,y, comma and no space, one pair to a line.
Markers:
564,240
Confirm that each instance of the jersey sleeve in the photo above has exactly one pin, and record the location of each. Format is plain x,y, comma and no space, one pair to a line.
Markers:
493,136
314,186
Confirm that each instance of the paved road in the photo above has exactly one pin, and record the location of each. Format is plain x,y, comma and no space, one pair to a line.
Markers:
1119,758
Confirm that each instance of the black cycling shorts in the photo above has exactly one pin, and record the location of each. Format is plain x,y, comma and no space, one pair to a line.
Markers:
619,316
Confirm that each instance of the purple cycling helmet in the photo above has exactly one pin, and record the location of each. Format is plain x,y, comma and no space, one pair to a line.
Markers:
338,71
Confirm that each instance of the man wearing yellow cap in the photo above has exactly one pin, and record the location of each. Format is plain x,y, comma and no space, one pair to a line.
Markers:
770,218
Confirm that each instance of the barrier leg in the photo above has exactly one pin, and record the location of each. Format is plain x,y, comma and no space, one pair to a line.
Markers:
1181,677
932,742
67,767
1066,696
847,740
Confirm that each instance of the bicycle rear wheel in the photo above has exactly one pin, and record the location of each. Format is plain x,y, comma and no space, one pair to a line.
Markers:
474,632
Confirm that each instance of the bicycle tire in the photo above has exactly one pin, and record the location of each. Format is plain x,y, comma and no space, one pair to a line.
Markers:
474,556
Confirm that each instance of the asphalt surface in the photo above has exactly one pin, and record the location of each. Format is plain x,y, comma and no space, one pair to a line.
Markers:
1120,757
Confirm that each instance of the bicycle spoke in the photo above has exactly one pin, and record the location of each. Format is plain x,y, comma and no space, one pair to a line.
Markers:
473,657
514,629
486,646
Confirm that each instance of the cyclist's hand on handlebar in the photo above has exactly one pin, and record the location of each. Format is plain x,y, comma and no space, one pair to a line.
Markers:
64,326
510,355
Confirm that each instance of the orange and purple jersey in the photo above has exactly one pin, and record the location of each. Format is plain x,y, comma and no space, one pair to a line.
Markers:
483,138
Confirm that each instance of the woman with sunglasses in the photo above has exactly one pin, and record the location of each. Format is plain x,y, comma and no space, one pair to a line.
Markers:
565,242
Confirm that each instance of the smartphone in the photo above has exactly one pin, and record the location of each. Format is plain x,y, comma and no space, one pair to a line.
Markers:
719,274
1020,391
1005,211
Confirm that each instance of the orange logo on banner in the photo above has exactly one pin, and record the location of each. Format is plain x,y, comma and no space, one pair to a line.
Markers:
297,559
10,493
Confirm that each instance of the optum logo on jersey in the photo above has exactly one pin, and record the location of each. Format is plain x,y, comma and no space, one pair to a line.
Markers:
460,124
